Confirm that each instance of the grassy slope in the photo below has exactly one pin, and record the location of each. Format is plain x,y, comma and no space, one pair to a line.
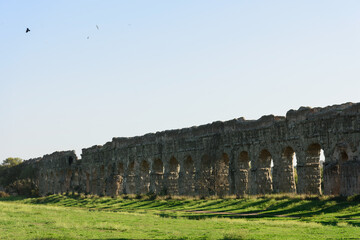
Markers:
107,218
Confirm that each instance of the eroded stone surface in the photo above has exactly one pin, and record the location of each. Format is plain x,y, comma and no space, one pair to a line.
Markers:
233,157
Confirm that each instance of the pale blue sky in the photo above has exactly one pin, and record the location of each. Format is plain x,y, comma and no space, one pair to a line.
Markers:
157,65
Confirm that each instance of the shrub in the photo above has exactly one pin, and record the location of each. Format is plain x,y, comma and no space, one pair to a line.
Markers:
3,194
151,195
24,187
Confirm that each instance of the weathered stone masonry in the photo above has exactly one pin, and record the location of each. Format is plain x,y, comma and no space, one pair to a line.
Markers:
221,158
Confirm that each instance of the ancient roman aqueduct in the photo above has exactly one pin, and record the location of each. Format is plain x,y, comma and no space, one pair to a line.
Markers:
221,158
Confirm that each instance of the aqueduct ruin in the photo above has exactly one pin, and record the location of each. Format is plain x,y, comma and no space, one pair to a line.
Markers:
233,157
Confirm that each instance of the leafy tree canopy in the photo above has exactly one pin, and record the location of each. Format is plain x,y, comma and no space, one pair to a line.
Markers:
10,162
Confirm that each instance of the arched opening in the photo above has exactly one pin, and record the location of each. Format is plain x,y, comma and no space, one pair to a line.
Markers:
206,179
144,177
130,178
70,160
189,177
173,177
348,172
158,166
222,176
264,173
343,156
333,172
284,175
242,174
157,177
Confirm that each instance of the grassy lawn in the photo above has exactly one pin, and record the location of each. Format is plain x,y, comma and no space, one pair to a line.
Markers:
89,217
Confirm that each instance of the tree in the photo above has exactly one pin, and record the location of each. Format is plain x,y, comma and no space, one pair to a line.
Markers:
10,162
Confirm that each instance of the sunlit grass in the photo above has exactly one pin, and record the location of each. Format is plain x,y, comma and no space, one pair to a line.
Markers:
91,217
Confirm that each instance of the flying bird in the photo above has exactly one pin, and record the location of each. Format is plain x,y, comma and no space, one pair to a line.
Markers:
27,30
97,27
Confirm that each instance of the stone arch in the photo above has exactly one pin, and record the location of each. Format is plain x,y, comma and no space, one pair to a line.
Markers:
263,173
188,177
336,172
222,185
242,173
206,180
349,174
130,178
309,175
173,177
144,175
157,176
284,174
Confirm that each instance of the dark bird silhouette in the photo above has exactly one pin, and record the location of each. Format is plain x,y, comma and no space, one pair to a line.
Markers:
27,30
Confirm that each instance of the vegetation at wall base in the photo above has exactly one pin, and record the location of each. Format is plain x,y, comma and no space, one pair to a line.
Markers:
80,216
18,177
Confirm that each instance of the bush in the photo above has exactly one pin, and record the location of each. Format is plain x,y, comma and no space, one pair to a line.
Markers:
3,194
18,177
151,195
24,187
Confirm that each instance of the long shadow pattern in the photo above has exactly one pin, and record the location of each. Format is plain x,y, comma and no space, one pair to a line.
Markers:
327,212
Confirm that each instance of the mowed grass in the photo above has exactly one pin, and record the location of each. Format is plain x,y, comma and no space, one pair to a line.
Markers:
91,217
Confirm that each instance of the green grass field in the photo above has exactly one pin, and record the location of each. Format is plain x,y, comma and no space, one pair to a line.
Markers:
89,217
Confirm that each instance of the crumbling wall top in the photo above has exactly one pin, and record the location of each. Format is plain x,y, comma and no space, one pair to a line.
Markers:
307,113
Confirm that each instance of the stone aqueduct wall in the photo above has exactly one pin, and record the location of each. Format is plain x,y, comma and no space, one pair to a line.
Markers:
221,158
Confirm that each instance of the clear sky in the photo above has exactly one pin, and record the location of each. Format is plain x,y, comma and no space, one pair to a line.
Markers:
157,65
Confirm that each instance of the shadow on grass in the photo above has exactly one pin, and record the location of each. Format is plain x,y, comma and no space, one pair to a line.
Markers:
12,199
314,209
